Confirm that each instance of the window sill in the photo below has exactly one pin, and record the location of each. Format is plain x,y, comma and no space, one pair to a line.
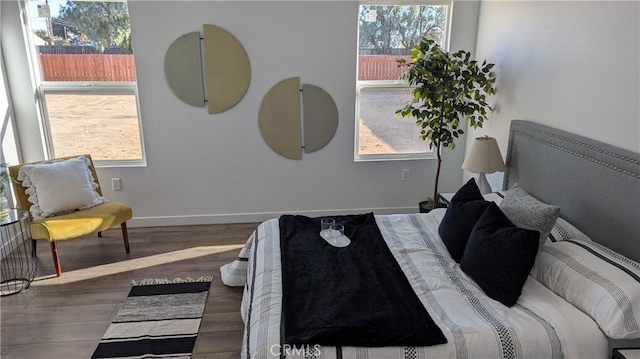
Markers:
394,157
119,163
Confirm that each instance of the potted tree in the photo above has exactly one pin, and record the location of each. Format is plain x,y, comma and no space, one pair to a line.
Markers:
448,88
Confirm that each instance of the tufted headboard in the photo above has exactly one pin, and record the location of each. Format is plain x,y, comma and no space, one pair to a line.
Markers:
596,185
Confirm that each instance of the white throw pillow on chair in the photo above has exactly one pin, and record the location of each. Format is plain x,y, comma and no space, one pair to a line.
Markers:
60,186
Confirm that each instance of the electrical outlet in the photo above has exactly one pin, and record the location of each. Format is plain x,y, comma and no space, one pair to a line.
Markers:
405,174
116,184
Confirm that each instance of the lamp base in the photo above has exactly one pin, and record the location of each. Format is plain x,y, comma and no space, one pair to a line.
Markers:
483,184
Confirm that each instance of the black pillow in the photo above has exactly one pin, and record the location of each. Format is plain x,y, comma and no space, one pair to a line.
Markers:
468,192
499,256
466,207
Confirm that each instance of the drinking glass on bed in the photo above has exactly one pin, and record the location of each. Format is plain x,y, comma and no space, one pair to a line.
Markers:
337,236
337,231
325,227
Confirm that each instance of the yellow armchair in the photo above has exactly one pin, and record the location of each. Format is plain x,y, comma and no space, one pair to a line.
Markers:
75,224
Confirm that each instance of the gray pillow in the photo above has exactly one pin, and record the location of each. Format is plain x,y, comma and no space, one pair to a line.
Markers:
525,211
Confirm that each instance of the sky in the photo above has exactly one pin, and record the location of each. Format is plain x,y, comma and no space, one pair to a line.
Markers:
39,22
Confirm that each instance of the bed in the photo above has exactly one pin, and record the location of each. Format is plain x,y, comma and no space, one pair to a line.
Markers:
549,319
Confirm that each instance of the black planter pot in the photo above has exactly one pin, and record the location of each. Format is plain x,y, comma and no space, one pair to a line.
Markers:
426,206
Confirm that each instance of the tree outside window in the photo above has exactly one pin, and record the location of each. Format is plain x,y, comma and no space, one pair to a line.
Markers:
387,33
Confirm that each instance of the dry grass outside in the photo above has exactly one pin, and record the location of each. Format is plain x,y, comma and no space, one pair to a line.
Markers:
104,125
370,143
380,130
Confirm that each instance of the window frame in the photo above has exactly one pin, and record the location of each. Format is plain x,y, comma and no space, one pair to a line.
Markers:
430,155
42,86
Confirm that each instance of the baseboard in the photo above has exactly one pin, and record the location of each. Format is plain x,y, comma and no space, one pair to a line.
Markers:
191,220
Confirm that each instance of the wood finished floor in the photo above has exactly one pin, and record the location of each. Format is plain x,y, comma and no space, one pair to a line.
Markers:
66,317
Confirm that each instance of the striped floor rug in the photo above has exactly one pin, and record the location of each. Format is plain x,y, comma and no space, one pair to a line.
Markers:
160,319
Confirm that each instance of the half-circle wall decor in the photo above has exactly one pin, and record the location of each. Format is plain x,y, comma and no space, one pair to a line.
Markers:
320,117
280,120
228,70
183,69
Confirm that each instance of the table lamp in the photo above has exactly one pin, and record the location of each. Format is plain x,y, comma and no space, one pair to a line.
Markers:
483,158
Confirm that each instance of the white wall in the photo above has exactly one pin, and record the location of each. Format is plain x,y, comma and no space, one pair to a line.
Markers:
569,65
206,168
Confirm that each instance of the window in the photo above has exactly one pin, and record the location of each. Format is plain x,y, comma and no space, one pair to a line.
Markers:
86,79
385,34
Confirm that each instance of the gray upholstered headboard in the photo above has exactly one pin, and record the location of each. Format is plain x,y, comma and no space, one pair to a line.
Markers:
596,185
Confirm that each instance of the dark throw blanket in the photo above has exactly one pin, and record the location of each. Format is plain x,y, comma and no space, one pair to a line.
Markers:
352,296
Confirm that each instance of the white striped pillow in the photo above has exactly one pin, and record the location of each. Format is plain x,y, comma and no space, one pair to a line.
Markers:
600,282
564,230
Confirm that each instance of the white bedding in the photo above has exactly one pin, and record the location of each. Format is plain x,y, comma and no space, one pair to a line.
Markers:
540,325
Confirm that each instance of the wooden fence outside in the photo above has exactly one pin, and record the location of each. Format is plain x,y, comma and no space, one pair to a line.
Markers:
380,67
74,67
81,67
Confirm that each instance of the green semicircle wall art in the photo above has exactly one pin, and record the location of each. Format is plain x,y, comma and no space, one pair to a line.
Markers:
183,69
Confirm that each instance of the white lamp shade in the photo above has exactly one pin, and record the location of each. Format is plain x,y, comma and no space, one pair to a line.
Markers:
484,156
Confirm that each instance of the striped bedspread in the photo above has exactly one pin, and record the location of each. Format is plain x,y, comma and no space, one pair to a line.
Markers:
540,325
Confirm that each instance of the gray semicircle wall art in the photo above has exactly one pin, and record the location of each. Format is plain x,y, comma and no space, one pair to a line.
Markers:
280,115
183,69
228,70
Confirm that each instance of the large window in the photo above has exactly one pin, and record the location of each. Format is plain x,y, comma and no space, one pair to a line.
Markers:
86,79
385,34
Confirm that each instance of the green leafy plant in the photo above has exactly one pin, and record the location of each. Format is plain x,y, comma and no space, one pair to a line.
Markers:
5,179
447,89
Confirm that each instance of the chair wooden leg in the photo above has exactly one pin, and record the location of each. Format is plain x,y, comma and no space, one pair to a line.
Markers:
99,234
34,247
125,236
56,258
